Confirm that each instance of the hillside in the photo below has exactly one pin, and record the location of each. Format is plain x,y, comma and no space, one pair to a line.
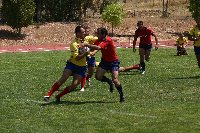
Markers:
61,33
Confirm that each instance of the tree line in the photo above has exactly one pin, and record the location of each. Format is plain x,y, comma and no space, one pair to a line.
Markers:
22,13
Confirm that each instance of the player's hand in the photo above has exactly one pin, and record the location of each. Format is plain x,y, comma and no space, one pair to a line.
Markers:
156,47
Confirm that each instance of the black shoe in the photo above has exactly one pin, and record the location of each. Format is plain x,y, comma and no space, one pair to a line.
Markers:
122,99
111,87
57,99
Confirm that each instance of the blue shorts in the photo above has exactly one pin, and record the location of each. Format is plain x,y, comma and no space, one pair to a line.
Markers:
80,70
90,61
146,46
197,50
109,66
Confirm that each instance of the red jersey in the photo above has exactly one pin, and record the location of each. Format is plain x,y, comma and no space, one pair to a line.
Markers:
144,34
107,49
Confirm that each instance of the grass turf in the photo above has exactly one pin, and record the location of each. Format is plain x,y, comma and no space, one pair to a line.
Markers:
165,99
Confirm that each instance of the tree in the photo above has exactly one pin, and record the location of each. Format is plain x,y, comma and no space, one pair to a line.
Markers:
165,8
113,14
194,8
18,13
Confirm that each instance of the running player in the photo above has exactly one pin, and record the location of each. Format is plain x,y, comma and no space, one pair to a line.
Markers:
75,66
145,44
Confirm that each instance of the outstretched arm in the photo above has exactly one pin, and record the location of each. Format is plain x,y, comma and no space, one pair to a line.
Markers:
156,39
95,47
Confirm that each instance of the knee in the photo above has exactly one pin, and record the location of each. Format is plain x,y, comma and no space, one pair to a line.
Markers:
116,82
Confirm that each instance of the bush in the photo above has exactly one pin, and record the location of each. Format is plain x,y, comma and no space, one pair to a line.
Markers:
194,8
18,13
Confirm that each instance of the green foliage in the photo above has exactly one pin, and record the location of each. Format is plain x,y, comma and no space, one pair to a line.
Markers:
194,8
113,14
18,13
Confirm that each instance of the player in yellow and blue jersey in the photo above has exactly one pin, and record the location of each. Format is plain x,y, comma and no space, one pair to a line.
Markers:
90,59
194,35
75,66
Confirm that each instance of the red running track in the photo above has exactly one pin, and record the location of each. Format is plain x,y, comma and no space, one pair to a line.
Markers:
31,48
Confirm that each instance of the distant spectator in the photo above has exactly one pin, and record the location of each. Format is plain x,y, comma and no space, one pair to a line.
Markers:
181,43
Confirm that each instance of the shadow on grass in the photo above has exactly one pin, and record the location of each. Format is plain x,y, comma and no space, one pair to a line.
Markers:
129,73
73,102
191,77
5,34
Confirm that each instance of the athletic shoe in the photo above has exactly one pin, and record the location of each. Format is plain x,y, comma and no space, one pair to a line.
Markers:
82,89
122,99
143,72
88,82
111,86
57,99
46,98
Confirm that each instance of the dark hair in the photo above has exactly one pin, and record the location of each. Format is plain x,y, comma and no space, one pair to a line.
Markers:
78,29
103,31
140,22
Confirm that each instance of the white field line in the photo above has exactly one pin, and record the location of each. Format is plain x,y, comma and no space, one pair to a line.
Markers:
132,114
35,101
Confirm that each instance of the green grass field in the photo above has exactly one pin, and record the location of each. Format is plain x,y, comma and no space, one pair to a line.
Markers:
165,100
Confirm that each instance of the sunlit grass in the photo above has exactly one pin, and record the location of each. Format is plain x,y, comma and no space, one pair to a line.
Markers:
165,99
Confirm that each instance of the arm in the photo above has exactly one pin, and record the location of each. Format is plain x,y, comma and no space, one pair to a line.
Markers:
81,54
134,43
156,39
95,47
190,36
94,52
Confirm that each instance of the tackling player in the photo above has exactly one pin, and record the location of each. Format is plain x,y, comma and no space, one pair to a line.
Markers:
109,61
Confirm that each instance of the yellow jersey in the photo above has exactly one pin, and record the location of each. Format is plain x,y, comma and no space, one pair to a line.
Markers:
90,39
75,50
181,41
196,33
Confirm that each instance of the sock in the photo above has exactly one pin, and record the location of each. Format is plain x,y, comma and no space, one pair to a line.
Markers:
119,88
136,66
83,81
54,88
88,76
65,91
142,64
105,79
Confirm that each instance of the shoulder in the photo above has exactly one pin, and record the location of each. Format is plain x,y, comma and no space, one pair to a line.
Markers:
108,38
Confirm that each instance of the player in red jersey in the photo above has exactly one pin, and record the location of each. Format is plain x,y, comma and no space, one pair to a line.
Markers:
145,44
109,61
